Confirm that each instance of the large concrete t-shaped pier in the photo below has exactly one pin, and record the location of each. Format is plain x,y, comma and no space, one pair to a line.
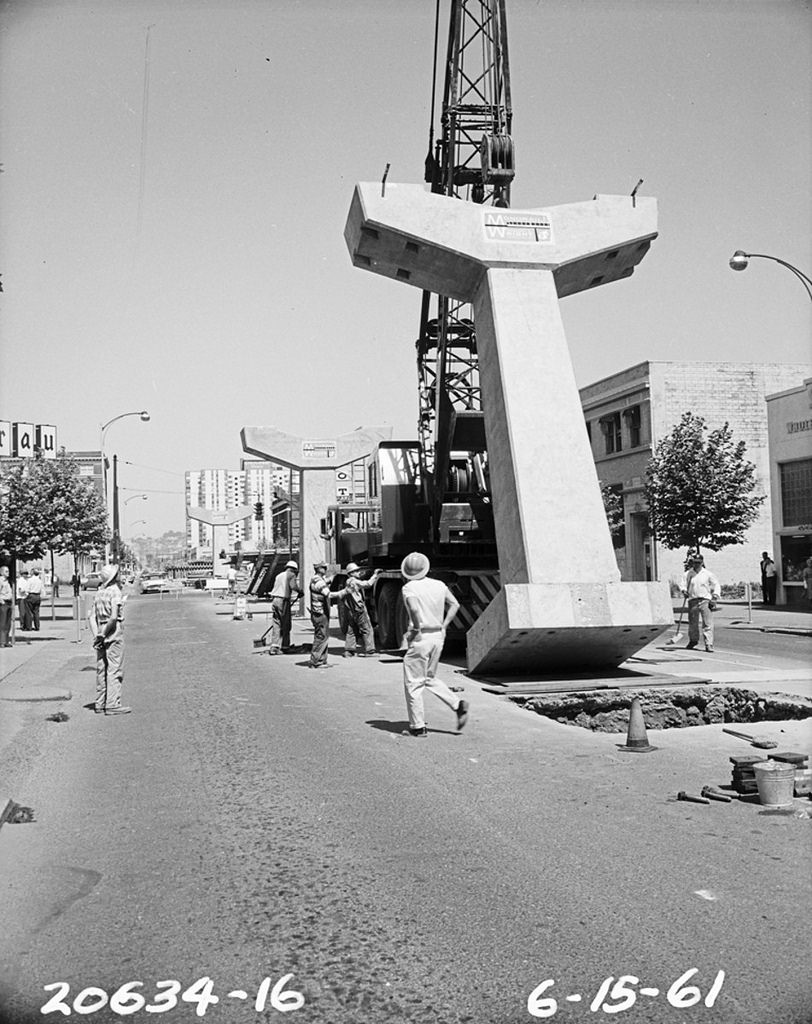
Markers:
561,602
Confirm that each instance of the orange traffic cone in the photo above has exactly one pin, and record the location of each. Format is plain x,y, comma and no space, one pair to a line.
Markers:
636,739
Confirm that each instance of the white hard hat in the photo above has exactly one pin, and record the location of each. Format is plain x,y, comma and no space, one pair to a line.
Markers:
292,565
415,566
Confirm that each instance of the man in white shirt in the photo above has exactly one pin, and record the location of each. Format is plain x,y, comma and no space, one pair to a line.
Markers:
701,589
431,607
22,601
34,598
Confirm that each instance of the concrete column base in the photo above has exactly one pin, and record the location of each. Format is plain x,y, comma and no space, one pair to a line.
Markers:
535,627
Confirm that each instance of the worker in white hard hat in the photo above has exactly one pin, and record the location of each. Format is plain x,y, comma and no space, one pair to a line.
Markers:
359,626
431,607
285,591
105,621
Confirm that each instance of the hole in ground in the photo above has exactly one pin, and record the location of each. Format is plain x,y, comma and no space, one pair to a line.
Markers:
608,710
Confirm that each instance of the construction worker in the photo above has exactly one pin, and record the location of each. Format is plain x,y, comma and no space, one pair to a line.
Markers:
320,598
105,619
285,590
431,607
701,589
359,626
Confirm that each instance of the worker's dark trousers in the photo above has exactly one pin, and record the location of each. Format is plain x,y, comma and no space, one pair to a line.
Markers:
359,630
321,638
6,614
281,624
33,601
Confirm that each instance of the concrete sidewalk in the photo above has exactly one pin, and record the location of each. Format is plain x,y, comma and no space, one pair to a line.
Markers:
31,669
795,619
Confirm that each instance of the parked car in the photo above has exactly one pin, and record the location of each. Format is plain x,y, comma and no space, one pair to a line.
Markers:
92,581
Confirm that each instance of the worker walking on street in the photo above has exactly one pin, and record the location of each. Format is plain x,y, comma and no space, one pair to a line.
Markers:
431,608
320,598
359,626
701,589
105,621
285,591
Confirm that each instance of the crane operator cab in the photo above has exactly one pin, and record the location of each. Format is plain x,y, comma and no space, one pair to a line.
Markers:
355,532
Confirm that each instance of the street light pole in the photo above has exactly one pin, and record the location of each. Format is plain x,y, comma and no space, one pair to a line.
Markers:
739,261
144,416
126,502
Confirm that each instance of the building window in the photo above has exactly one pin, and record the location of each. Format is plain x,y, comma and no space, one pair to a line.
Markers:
632,417
796,492
610,425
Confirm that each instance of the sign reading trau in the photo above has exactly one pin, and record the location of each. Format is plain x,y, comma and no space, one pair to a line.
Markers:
23,440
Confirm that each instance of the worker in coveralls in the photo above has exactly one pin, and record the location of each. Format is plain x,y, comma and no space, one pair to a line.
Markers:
431,607
105,621
320,597
359,626
285,591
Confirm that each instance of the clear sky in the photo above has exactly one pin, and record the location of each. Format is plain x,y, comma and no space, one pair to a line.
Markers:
172,229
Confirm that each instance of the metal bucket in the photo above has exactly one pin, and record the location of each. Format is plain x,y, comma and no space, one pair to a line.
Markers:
775,784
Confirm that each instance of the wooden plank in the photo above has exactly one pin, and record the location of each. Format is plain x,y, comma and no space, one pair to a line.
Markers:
531,687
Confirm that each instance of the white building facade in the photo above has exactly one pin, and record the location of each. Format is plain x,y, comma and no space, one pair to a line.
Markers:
628,413
221,489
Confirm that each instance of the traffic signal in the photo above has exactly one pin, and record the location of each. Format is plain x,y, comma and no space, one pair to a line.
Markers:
258,511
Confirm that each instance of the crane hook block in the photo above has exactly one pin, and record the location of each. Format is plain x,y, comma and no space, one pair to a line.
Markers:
497,159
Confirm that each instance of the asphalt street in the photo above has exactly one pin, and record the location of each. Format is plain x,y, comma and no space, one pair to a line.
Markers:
253,819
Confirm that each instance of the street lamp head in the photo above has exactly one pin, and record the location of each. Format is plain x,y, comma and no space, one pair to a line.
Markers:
145,416
739,260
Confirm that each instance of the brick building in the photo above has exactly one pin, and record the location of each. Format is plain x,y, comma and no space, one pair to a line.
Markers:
629,412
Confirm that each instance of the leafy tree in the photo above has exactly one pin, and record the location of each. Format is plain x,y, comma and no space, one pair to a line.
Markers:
78,519
46,506
613,507
699,487
23,513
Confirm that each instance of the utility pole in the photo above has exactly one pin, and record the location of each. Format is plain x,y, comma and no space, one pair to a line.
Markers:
116,538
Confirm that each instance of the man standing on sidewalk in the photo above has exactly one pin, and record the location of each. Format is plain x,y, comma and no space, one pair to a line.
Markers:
34,599
701,589
104,620
22,601
769,580
285,586
6,607
431,607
